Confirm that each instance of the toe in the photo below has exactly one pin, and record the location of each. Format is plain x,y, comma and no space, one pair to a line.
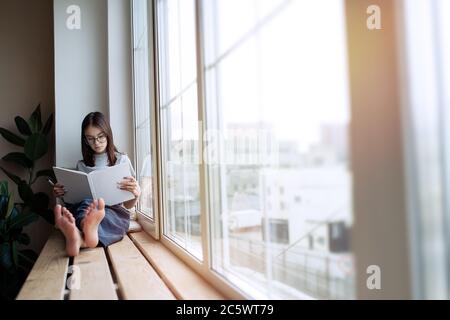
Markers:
67,213
57,212
101,204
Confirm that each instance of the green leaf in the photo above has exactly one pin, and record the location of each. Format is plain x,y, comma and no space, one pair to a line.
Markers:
46,173
14,213
4,188
12,137
48,125
22,126
13,177
25,192
18,158
10,209
3,206
35,120
6,206
22,219
36,146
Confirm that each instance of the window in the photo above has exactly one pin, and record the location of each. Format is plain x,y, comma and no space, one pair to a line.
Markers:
178,106
256,185
426,50
251,103
142,103
268,89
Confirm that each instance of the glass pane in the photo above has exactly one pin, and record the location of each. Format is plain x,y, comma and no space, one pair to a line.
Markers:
427,49
278,146
142,104
179,117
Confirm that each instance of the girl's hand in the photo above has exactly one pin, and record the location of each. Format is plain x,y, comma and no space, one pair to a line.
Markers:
130,184
59,190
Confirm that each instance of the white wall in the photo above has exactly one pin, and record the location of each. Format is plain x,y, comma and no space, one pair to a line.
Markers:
81,73
92,73
120,74
26,78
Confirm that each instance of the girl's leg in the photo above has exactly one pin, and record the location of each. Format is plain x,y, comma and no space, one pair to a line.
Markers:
114,226
93,215
65,222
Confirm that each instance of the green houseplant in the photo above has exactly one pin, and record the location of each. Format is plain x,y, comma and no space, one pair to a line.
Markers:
15,264
33,139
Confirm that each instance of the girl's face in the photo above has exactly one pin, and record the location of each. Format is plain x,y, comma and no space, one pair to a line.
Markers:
96,139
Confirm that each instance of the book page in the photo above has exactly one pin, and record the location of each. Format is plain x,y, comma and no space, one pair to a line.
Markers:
104,183
76,183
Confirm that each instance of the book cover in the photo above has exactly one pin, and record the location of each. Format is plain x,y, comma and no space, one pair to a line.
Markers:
100,183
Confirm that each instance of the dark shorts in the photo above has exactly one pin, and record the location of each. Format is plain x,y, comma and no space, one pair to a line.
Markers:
114,225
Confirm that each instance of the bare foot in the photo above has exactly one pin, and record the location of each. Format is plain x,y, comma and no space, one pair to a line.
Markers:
93,216
65,222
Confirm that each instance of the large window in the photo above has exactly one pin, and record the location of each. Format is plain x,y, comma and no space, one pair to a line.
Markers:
277,123
243,123
178,104
275,147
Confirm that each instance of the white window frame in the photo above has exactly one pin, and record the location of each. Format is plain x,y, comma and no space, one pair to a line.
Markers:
150,225
367,245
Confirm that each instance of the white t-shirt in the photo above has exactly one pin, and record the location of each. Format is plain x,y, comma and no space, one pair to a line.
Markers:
101,162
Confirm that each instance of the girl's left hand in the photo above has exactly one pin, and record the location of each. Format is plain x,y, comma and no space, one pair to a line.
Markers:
130,184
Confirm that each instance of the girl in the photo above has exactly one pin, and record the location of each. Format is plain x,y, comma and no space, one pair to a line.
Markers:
90,223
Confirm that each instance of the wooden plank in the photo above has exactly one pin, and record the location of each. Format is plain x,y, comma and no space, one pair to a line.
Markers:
134,227
136,278
184,282
95,280
47,279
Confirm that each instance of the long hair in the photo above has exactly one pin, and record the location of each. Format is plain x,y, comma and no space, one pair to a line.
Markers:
97,119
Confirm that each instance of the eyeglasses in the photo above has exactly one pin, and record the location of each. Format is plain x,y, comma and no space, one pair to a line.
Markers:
101,138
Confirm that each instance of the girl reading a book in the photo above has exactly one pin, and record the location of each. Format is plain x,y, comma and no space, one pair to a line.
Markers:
91,223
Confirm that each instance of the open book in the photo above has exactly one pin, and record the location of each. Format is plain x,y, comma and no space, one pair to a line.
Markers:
100,183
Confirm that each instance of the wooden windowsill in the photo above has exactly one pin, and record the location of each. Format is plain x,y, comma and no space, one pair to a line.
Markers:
182,280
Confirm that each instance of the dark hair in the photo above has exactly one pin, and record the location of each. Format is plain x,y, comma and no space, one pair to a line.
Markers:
97,119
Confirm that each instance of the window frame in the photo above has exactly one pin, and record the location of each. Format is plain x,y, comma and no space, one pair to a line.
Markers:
149,224
365,241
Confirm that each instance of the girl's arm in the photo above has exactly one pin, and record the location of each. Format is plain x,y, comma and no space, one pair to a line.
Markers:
130,184
130,203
